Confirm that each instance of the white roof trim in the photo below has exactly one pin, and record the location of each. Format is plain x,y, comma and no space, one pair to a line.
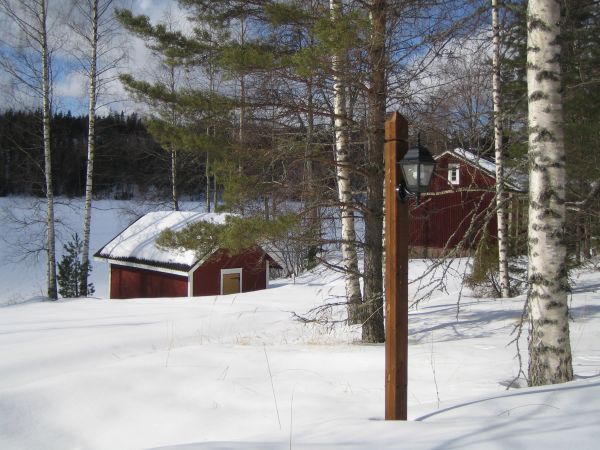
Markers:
202,260
143,266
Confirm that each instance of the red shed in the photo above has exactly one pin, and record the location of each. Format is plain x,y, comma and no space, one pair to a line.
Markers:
460,204
140,269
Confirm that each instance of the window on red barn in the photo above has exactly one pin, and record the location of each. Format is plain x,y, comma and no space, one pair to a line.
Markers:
454,173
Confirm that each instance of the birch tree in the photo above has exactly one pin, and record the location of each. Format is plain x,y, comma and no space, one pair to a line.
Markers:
173,118
549,345
92,95
30,18
42,9
501,212
99,54
349,255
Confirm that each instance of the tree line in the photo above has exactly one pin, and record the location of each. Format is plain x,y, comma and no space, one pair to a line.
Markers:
128,160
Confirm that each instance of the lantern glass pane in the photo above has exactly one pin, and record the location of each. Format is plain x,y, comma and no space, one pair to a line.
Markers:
426,172
410,172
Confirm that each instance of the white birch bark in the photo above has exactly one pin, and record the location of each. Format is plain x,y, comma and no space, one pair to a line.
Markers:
30,18
173,150
549,344
215,192
242,97
501,198
50,241
349,254
207,175
174,195
89,181
93,22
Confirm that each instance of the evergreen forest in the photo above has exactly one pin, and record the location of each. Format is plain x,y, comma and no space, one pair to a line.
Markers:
128,161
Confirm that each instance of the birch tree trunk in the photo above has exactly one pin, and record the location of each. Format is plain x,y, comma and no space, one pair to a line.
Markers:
94,24
549,344
31,21
92,96
215,192
173,150
373,328
349,254
501,199
51,241
242,123
174,196
207,175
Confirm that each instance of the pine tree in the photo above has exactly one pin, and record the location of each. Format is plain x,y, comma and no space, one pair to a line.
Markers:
70,270
185,119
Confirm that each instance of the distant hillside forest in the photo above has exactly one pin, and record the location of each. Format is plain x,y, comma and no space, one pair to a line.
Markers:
128,160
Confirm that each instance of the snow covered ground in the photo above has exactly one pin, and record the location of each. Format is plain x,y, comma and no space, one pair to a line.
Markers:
238,372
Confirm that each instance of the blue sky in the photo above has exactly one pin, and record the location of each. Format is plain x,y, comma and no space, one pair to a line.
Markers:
70,85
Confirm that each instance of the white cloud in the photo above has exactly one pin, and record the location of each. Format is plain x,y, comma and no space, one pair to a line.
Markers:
70,82
73,85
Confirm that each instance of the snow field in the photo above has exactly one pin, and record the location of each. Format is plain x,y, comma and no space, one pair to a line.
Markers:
237,372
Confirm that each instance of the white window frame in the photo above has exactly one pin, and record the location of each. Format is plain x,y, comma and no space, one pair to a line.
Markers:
237,270
454,168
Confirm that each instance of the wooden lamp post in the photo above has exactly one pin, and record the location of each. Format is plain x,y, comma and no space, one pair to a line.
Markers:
416,163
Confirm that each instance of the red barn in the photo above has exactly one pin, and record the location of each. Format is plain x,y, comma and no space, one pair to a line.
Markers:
140,269
460,205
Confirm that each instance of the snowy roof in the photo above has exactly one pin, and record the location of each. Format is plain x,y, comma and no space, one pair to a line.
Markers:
514,179
137,243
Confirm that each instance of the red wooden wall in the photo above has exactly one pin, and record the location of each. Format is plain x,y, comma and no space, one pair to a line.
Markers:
207,278
128,282
442,221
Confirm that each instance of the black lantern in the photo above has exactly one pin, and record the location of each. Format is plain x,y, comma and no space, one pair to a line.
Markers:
417,168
